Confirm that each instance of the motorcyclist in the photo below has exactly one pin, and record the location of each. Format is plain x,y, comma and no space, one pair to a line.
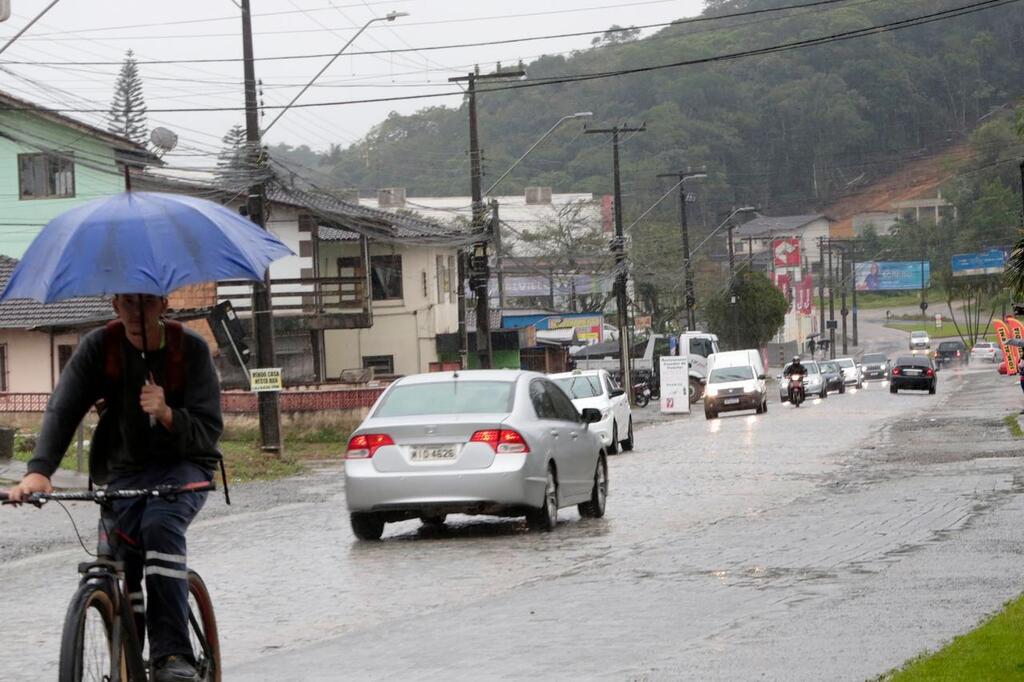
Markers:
795,367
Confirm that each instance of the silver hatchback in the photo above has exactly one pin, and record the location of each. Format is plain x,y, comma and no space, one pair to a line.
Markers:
497,442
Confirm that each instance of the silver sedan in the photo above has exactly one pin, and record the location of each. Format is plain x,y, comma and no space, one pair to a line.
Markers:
498,442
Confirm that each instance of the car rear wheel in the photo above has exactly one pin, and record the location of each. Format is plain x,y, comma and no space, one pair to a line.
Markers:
627,445
366,525
545,518
594,507
931,389
824,392
842,388
614,447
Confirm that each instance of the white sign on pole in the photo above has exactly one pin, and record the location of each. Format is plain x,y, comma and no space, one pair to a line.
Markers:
675,384
938,320
266,379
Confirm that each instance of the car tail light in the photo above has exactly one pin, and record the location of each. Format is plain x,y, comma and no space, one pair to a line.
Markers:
365,444
502,441
958,353
929,372
895,371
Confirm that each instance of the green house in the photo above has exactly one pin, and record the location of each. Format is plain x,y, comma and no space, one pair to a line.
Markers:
49,163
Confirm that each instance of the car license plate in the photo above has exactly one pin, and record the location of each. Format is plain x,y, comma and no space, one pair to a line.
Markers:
913,372
423,454
732,401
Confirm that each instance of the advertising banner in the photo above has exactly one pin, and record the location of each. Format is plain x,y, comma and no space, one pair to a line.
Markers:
991,262
675,384
805,296
1003,334
786,253
784,282
589,326
1016,332
891,275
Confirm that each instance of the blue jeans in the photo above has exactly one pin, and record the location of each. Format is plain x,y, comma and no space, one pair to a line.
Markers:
149,536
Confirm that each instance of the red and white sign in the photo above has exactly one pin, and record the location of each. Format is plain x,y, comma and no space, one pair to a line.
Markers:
805,296
786,253
784,282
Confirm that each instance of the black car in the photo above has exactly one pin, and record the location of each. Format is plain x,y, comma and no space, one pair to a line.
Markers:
915,372
951,353
874,366
832,373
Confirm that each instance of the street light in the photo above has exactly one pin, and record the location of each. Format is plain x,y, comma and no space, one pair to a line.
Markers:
390,16
578,114
745,209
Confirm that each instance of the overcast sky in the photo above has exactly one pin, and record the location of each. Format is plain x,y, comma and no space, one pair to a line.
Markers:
102,30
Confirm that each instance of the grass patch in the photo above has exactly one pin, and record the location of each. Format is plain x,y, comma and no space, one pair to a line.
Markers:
876,300
990,652
1013,423
306,438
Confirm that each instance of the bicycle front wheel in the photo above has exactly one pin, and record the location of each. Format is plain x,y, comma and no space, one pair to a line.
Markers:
202,629
87,645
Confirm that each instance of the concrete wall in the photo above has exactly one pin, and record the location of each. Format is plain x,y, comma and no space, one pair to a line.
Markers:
96,175
405,329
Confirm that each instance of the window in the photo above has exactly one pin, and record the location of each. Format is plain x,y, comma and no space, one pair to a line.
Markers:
580,386
380,364
724,375
3,368
42,176
458,396
701,347
564,409
542,404
64,353
387,277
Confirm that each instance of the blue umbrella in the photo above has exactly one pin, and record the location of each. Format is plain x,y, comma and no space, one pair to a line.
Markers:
141,243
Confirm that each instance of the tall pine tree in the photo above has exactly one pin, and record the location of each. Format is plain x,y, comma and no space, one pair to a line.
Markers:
127,115
233,161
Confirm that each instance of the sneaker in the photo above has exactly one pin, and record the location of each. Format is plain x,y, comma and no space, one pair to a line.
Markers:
175,669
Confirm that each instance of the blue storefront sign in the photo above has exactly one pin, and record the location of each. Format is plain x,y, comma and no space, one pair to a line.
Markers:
891,275
991,262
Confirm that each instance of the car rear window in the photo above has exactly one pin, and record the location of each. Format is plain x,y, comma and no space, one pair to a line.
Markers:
919,335
983,344
724,374
580,387
949,345
914,361
846,362
447,397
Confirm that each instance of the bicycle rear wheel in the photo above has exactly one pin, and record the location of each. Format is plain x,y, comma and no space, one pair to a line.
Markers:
87,644
202,629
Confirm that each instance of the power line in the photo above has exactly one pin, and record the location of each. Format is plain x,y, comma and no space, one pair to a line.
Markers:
558,80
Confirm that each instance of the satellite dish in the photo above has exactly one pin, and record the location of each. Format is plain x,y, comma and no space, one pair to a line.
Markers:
163,139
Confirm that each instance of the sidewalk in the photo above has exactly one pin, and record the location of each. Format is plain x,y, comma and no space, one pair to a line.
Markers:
13,470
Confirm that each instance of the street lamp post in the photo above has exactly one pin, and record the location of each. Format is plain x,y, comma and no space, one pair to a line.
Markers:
691,299
578,114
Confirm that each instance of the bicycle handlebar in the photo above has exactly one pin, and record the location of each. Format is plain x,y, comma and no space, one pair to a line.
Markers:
100,496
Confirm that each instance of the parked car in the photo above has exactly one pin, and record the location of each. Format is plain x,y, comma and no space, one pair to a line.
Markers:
832,373
985,351
595,388
497,442
951,353
851,372
736,382
919,340
916,372
874,366
814,383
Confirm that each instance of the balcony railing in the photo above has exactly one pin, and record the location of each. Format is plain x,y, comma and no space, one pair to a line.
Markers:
309,302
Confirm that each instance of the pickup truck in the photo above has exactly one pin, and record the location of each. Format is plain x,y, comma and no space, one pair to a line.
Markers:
698,345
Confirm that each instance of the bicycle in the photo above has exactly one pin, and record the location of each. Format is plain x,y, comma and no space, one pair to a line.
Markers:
100,641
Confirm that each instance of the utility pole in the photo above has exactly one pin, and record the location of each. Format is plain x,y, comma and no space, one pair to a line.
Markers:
480,272
924,293
853,288
842,288
691,299
732,291
262,312
821,287
499,253
831,305
618,248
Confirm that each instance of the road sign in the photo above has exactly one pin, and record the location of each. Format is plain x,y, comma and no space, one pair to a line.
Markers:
924,306
832,324
266,379
938,320
675,384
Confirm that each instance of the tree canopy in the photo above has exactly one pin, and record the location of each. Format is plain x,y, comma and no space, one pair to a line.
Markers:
127,115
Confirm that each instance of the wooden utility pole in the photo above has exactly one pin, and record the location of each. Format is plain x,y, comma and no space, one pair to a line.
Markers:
479,269
619,249
262,312
691,299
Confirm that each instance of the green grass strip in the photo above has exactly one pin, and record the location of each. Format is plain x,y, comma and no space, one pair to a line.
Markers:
1014,425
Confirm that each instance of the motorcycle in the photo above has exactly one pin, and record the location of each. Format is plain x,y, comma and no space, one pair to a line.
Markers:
641,394
797,393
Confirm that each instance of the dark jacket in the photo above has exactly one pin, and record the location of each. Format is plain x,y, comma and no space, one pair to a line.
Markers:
124,441
795,369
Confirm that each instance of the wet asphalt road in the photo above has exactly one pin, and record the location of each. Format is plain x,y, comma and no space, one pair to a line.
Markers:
830,542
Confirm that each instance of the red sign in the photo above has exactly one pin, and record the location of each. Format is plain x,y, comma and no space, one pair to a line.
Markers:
786,253
784,282
805,296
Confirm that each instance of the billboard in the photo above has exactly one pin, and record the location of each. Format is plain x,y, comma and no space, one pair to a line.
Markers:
786,253
589,326
891,275
991,262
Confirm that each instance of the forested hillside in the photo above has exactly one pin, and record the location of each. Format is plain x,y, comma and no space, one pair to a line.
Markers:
787,131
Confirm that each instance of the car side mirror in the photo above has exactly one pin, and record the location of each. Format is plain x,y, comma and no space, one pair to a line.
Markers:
761,377
591,415
616,392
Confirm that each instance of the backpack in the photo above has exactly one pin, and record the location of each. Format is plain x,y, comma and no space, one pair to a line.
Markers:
174,370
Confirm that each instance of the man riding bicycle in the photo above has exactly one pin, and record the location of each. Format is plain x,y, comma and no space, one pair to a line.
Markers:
160,421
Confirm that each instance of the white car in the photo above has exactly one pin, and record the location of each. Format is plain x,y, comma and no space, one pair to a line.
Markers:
595,388
920,341
851,372
986,351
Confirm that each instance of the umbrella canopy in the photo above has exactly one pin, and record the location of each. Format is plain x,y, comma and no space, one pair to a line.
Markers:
141,242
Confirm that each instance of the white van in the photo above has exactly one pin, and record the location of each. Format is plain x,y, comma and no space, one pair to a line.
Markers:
736,381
